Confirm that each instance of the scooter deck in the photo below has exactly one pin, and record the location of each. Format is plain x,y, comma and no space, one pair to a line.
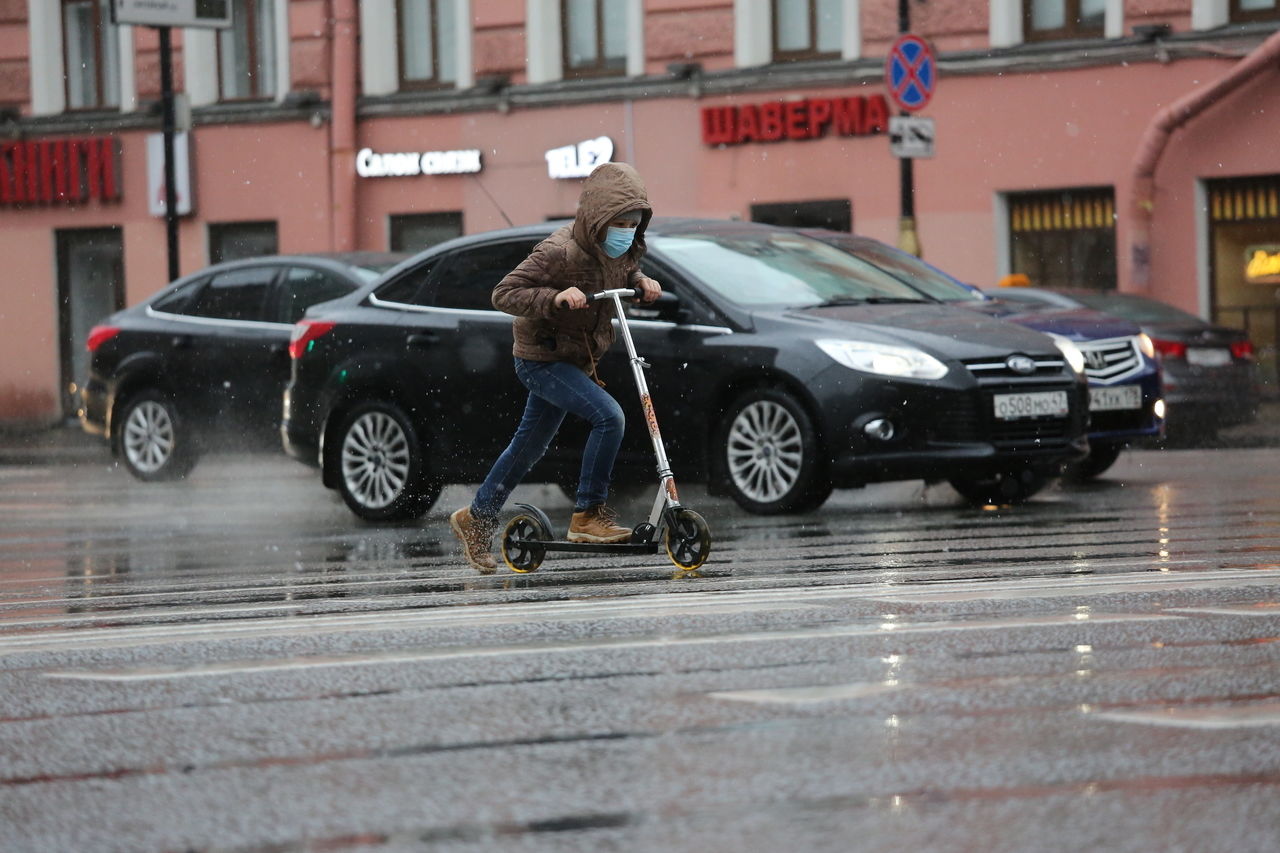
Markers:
593,547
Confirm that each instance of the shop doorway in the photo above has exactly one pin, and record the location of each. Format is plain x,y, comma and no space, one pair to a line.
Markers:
832,214
1244,262
90,286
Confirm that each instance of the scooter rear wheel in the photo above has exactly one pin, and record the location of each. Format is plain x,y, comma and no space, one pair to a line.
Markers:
688,539
519,549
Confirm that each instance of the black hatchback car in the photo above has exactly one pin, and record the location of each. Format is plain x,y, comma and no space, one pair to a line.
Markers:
781,368
207,355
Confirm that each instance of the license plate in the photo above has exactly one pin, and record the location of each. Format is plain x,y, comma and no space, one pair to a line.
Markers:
1034,404
1208,357
1111,399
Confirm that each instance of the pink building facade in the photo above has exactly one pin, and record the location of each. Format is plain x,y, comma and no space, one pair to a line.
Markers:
1113,148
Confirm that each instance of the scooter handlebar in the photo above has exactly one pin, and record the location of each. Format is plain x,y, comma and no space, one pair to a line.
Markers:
624,292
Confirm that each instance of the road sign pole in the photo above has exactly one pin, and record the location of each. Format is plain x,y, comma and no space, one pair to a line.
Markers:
908,237
167,126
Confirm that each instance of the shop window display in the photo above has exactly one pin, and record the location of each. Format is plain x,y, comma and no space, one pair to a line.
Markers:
1064,238
1244,236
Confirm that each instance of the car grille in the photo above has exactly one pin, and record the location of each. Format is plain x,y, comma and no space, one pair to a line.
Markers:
989,370
971,417
1111,359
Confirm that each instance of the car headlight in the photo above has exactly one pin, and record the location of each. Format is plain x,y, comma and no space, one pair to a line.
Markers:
1144,344
884,359
1070,352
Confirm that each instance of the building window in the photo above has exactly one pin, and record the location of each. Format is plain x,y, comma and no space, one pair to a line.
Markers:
231,241
807,29
91,46
247,52
428,48
1254,10
1046,20
1065,238
594,35
413,232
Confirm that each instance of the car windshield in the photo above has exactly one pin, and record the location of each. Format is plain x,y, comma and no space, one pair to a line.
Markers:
780,269
1135,308
915,272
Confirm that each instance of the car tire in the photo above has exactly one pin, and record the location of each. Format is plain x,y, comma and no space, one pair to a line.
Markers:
1100,458
381,464
152,438
1003,488
767,454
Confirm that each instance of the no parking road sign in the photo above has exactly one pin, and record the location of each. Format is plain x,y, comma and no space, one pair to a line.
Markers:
911,72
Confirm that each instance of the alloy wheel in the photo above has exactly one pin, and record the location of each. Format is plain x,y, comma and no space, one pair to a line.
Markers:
375,460
765,451
149,436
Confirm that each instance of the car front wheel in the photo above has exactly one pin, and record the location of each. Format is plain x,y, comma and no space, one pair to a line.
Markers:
381,465
768,456
152,439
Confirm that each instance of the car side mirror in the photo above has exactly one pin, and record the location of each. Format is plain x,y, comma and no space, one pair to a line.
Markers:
666,309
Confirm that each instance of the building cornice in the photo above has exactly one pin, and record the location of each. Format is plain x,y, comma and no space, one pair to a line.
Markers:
688,82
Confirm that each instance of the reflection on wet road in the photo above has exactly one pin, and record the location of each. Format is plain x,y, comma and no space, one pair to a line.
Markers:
236,663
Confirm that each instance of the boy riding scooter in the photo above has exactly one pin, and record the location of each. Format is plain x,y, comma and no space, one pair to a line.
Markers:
560,335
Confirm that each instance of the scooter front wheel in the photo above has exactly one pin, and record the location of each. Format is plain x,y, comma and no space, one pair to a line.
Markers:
688,539
520,549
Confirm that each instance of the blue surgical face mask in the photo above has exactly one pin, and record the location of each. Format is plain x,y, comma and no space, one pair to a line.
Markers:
618,240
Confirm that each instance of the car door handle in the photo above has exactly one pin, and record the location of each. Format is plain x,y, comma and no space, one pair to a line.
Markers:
422,339
181,341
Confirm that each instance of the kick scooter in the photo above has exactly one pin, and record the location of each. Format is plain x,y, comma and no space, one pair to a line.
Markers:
528,537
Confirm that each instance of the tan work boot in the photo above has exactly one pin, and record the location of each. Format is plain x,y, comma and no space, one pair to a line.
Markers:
597,524
477,537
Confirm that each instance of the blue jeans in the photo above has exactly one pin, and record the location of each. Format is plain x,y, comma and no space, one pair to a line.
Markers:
556,388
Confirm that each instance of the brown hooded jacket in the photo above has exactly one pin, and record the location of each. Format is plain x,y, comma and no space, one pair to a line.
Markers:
573,257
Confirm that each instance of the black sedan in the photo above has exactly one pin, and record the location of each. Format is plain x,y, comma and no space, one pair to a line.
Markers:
1210,374
781,368
207,356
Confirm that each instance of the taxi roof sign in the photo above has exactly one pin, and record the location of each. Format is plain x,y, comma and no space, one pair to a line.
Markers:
172,13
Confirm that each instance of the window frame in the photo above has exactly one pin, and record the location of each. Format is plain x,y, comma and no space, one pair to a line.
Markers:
103,30
1237,15
403,83
249,20
1070,28
811,52
601,68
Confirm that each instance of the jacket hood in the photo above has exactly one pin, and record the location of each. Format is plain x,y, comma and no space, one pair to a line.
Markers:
611,189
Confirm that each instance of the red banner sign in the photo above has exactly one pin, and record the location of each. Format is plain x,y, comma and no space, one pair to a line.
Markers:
62,171
805,119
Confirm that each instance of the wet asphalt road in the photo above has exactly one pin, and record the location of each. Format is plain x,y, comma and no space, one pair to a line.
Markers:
236,663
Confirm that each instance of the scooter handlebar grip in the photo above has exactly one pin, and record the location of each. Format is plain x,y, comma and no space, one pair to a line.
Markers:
636,293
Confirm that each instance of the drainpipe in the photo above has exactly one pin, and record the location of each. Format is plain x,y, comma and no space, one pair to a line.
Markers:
1156,137
342,126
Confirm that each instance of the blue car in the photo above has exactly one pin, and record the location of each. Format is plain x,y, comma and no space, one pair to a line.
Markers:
1125,391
